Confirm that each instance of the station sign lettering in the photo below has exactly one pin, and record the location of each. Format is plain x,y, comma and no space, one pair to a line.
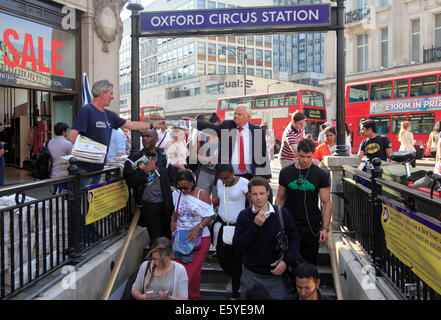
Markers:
235,19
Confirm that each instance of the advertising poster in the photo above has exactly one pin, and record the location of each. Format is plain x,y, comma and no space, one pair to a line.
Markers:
106,198
415,239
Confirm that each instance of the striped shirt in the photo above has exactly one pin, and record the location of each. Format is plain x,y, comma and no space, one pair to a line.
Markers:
292,137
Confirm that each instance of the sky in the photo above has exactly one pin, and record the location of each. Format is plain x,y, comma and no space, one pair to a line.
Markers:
126,13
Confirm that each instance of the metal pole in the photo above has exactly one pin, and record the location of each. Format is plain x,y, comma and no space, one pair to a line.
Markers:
244,69
134,90
341,132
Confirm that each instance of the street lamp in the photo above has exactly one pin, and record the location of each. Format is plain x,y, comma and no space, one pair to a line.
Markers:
244,63
272,84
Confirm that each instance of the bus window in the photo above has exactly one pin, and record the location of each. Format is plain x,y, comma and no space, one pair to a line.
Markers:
291,99
383,124
381,90
422,123
234,103
313,127
276,100
248,101
223,104
359,93
313,99
396,122
261,102
401,88
423,86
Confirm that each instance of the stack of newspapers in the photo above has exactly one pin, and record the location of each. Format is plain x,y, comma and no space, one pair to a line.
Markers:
88,150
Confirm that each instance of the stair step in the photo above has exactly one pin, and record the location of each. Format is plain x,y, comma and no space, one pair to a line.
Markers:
214,291
326,278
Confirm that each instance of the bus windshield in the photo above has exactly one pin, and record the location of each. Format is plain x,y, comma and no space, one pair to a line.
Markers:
313,99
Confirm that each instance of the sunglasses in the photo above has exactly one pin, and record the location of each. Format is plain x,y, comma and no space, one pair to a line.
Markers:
184,188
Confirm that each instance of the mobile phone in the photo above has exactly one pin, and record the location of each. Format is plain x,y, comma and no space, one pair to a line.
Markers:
150,293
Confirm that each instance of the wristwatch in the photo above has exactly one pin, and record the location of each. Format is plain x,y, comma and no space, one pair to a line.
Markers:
200,226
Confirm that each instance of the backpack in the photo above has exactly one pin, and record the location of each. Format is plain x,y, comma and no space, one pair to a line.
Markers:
43,165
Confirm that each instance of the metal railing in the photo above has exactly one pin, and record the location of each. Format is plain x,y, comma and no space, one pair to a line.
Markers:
42,232
363,195
432,54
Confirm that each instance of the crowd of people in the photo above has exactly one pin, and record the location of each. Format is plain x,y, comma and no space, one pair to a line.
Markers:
211,187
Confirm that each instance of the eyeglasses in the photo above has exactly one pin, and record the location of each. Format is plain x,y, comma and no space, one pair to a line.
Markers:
183,188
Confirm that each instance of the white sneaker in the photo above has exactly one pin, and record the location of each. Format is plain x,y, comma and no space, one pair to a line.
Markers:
229,286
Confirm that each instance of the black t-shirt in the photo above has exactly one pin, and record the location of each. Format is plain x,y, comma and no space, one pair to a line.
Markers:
376,147
302,187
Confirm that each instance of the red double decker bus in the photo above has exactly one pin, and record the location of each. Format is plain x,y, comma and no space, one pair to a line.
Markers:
151,113
415,98
276,109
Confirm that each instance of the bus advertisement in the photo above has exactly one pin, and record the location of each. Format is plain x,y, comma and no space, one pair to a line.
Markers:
276,109
414,98
151,113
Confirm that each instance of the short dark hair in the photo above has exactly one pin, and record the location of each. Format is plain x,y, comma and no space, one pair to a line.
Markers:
306,270
201,117
258,292
306,145
298,116
259,181
59,127
221,167
214,118
370,124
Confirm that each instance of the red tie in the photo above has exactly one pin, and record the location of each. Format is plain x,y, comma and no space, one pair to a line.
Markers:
241,152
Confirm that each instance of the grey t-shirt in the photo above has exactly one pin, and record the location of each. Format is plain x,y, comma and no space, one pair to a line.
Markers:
152,191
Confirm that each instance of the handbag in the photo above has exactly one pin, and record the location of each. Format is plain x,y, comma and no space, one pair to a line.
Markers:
227,231
282,246
181,244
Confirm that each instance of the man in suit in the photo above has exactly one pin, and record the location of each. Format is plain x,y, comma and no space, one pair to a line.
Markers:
241,143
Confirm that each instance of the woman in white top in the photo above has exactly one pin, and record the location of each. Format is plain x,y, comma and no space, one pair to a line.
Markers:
165,279
406,137
193,211
232,196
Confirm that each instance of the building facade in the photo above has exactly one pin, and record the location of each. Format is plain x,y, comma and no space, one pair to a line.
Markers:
385,38
45,46
298,57
192,72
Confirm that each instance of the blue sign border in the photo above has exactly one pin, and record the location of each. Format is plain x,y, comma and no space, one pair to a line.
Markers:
218,20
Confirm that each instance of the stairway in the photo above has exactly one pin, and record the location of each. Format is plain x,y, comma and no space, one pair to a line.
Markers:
325,271
214,279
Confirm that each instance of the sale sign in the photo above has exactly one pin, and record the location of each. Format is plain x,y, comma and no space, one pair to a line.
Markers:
36,55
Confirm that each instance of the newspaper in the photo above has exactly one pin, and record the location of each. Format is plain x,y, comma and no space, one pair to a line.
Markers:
182,124
88,150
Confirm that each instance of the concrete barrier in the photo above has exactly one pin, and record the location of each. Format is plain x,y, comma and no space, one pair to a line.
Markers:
89,281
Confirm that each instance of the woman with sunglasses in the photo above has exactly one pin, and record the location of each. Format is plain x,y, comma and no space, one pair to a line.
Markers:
193,211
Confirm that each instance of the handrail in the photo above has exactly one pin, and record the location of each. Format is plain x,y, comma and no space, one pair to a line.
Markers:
420,195
121,255
357,172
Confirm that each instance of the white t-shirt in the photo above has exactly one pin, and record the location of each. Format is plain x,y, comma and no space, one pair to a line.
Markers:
191,211
235,199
